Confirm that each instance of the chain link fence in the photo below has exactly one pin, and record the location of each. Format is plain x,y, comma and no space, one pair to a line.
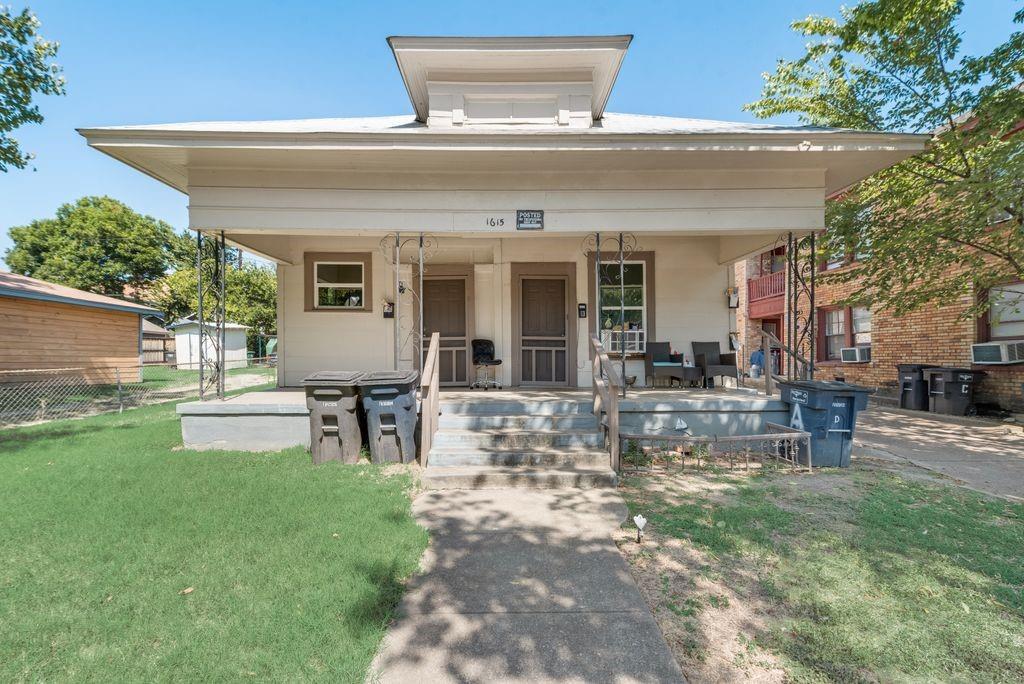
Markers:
38,395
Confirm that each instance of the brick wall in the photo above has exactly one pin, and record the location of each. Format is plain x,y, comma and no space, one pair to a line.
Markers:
746,327
932,335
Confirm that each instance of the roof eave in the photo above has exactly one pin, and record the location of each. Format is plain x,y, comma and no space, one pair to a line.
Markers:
16,293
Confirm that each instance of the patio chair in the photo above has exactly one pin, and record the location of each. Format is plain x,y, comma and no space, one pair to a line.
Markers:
660,362
709,358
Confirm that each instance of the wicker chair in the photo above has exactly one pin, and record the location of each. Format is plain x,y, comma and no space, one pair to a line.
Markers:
709,358
660,362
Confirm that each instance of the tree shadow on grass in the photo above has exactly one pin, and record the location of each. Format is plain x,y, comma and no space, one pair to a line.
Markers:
18,439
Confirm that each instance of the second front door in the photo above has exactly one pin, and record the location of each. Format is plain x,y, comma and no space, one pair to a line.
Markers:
544,331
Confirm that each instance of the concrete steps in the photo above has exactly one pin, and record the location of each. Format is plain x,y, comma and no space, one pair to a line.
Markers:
555,457
537,444
503,438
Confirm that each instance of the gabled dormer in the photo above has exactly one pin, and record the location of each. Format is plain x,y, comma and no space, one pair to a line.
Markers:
486,82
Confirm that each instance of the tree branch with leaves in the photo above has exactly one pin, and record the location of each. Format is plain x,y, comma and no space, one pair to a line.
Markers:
26,69
948,223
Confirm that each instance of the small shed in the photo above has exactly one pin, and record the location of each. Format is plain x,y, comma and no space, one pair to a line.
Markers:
49,326
186,343
157,343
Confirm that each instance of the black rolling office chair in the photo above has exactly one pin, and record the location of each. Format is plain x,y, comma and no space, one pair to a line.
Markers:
484,361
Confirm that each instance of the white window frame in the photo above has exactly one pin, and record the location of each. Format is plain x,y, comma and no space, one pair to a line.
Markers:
635,343
853,326
317,285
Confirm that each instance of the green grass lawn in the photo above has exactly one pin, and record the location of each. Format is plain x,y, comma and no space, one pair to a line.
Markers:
157,377
869,577
123,558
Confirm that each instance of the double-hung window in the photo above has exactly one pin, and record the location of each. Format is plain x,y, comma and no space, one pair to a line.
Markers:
843,327
834,332
861,325
1006,312
624,306
339,285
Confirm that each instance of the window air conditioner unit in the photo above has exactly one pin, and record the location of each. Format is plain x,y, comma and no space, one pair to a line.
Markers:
855,354
997,353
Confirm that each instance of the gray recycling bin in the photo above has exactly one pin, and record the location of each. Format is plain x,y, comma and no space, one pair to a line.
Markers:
827,410
389,399
332,398
913,386
951,390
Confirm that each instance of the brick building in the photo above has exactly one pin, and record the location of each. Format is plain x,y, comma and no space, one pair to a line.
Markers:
934,334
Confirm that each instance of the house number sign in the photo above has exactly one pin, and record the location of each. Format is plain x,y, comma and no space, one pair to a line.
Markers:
494,222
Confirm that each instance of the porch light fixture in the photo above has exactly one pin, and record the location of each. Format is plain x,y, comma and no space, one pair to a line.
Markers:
640,521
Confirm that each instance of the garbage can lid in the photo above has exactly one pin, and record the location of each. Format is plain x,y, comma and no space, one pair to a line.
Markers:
332,378
391,377
914,367
948,371
825,386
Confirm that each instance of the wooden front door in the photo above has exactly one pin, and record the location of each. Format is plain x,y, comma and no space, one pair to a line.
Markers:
544,331
445,312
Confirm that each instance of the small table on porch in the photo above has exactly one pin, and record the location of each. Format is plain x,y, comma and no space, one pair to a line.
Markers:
686,375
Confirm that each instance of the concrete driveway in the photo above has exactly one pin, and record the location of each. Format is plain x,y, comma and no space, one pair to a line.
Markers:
982,455
523,586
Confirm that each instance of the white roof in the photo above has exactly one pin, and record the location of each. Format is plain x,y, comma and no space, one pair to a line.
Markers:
183,322
611,123
502,59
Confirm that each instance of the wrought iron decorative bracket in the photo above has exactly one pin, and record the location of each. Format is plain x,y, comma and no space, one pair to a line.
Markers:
211,285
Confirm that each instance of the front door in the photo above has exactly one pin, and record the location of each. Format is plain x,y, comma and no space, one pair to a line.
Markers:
445,312
544,331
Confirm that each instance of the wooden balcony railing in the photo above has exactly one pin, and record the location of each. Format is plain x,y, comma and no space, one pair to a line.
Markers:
771,285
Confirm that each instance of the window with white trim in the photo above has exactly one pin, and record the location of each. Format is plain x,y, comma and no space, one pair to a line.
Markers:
625,325
834,325
339,284
861,326
1006,311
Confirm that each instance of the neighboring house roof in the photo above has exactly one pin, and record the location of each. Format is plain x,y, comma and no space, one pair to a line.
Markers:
151,329
23,287
191,320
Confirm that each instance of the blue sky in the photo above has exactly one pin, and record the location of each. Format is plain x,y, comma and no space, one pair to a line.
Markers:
151,62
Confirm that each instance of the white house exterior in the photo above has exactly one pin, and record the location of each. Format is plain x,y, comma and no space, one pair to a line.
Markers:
187,339
510,166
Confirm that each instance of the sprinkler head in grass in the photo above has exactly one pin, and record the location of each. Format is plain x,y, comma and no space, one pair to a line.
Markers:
640,521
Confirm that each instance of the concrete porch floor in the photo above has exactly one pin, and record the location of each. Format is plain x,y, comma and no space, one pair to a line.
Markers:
270,420
296,395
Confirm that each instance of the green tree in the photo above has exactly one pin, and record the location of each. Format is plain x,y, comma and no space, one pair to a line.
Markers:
25,70
949,221
96,244
251,295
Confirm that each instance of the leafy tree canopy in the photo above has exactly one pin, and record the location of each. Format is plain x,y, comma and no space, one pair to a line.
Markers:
251,295
26,68
949,221
96,244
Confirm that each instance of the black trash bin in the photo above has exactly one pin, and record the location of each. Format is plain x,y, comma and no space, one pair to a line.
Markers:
951,390
389,399
827,410
913,386
332,398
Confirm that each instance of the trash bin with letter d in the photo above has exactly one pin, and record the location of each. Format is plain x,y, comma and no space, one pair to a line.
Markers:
827,410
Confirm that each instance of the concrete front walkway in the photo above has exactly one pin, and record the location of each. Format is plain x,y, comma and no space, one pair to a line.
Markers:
985,456
523,586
